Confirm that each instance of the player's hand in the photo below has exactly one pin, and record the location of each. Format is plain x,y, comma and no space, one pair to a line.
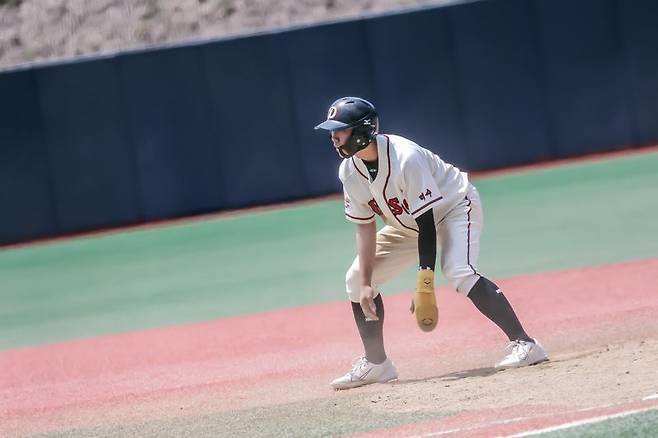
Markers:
424,302
368,303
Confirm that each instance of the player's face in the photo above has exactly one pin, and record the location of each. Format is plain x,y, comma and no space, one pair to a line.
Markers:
338,138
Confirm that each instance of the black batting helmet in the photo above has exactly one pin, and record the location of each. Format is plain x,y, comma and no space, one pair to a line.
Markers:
355,113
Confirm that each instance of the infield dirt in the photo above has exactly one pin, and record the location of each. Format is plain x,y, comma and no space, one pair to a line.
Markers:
267,374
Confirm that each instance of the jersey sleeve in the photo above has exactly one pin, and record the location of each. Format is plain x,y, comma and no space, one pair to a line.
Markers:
421,190
357,212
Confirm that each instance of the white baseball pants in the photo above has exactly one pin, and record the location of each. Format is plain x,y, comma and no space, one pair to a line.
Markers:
458,243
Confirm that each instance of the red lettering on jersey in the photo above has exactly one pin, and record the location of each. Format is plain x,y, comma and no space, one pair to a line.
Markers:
373,204
405,205
394,205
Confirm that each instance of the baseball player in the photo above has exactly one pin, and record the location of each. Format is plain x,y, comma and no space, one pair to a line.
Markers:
423,201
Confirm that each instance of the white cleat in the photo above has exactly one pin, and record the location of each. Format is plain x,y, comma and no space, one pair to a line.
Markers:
365,373
522,353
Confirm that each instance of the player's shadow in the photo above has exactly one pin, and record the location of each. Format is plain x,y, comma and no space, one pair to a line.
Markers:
476,372
457,375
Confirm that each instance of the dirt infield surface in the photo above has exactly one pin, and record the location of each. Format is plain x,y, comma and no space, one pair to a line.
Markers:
267,374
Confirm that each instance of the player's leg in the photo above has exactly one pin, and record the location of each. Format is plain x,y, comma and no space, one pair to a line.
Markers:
459,235
395,252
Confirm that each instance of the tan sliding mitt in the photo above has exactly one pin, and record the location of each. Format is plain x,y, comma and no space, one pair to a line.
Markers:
424,302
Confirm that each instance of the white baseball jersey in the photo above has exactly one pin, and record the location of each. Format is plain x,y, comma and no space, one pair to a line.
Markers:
410,180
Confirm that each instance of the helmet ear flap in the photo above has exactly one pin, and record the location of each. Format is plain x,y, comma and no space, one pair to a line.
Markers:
368,129
362,135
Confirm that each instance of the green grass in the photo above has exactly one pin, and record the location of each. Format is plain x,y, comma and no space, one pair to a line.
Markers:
557,218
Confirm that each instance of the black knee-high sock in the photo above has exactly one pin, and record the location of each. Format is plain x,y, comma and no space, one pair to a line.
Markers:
492,303
371,331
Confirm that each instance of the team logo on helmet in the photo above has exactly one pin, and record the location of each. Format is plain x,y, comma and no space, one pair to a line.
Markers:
332,112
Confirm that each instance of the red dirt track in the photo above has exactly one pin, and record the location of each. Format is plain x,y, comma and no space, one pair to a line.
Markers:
276,358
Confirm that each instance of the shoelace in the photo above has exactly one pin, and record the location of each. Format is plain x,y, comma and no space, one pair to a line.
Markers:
357,365
516,348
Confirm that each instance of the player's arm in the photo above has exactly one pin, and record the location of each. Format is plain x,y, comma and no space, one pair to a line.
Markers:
423,196
426,241
366,243
424,302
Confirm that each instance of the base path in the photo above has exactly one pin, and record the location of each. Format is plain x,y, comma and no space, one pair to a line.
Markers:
268,373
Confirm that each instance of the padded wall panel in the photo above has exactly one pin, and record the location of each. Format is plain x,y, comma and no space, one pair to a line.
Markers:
260,157
226,124
93,162
639,20
168,113
584,64
324,63
26,206
415,80
500,83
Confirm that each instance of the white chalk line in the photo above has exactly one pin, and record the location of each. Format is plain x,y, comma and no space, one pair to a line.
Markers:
535,417
583,422
465,429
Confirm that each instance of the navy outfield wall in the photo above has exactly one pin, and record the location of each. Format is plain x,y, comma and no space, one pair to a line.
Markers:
226,124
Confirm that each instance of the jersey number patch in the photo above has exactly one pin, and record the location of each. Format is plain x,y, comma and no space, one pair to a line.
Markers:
426,194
